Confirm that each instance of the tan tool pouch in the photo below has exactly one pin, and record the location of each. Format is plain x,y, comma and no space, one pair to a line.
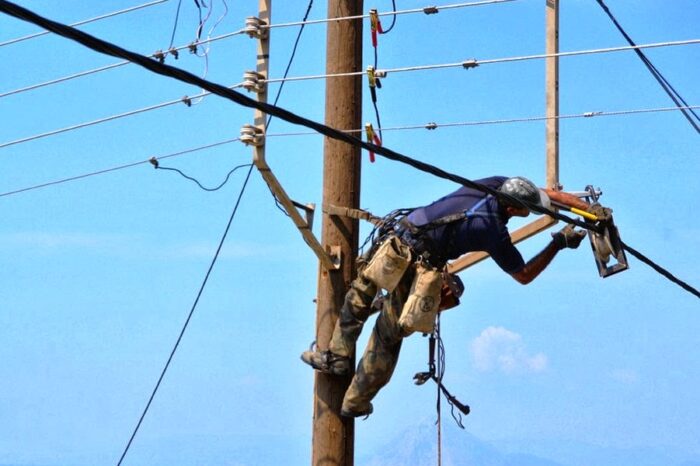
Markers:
388,264
421,307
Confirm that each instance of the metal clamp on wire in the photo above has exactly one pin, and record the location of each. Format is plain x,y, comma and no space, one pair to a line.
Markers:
159,55
254,82
193,47
373,139
431,10
254,28
173,51
375,26
470,64
252,136
431,126
373,81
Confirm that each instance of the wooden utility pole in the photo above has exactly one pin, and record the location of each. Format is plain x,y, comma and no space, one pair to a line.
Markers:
552,93
333,435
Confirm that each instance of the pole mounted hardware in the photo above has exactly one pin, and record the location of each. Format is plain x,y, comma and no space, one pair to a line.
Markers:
254,82
254,136
254,28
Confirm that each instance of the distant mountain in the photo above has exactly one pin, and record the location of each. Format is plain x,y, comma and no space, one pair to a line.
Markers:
417,446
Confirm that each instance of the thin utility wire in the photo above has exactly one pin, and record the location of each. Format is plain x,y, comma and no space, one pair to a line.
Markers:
393,18
104,47
434,9
177,17
428,126
85,21
475,63
665,85
67,129
215,188
223,238
119,167
189,317
112,66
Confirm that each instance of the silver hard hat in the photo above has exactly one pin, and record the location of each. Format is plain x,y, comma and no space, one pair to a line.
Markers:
525,190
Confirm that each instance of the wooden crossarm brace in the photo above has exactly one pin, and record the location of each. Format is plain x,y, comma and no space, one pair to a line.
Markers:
328,261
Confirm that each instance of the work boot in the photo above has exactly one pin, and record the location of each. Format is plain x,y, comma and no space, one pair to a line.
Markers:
327,362
347,411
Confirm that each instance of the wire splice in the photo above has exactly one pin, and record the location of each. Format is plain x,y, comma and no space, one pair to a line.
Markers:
431,10
154,161
252,135
372,138
431,126
187,100
470,64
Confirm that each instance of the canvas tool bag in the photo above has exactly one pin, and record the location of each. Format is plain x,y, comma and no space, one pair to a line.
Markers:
388,264
421,307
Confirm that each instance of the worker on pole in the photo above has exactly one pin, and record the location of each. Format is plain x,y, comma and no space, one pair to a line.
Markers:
408,259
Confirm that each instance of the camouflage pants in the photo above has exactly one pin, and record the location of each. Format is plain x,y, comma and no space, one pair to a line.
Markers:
382,352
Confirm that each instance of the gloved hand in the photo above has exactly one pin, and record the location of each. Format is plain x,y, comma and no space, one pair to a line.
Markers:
604,214
567,237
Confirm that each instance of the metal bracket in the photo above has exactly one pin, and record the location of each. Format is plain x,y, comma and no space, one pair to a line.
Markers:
606,244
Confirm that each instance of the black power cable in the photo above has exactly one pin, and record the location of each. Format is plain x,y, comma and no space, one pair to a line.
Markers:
660,270
177,18
216,188
672,93
166,70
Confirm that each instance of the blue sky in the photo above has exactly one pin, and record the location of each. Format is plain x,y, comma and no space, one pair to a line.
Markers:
98,274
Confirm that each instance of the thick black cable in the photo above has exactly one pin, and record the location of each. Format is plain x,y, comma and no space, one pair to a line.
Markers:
675,96
661,270
200,184
163,69
189,317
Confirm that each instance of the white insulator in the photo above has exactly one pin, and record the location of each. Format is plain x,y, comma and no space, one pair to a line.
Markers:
251,135
252,81
253,27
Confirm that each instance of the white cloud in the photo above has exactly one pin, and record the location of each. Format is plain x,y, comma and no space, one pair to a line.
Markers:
499,349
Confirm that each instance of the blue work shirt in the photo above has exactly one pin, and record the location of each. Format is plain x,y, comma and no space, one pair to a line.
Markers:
484,229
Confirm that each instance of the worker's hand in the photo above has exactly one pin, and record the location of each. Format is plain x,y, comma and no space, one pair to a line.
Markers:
604,214
567,237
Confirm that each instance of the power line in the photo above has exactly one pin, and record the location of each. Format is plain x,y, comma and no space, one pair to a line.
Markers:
119,167
667,87
473,63
184,175
428,126
163,69
114,65
189,317
186,100
85,21
661,270
184,76
425,10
